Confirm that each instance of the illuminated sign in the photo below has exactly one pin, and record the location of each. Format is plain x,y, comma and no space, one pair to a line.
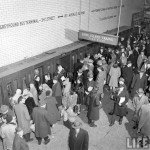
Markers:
101,38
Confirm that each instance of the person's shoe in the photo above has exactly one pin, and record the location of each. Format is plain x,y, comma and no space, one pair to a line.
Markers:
135,127
39,142
93,125
110,113
111,124
120,122
30,140
47,141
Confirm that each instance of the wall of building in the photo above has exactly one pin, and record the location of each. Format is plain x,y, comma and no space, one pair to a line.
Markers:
30,27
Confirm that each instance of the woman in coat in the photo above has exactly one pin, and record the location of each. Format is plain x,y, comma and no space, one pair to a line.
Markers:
123,59
34,93
114,73
51,107
99,84
140,59
93,108
29,101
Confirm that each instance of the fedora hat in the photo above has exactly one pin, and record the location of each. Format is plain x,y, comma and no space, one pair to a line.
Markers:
4,109
9,118
76,125
90,74
55,78
121,79
140,90
80,71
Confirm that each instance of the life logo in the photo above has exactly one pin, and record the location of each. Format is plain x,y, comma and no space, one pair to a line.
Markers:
137,143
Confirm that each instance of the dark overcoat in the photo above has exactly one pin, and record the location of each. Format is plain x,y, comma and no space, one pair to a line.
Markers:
144,120
19,143
138,83
121,110
52,109
42,122
30,104
93,106
127,74
81,142
57,93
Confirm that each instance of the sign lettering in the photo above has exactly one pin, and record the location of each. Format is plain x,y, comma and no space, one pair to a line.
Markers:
102,38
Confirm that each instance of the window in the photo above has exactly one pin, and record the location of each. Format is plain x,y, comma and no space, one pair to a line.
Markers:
73,60
15,83
40,73
1,96
81,55
29,78
52,68
9,90
24,85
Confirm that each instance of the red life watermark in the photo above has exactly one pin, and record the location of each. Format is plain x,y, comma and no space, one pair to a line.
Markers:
137,143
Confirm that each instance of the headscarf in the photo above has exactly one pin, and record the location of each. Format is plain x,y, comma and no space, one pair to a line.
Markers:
16,96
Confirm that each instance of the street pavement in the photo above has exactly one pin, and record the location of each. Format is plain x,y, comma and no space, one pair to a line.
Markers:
103,137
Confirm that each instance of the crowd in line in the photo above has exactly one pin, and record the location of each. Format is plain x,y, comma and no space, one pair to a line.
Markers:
125,69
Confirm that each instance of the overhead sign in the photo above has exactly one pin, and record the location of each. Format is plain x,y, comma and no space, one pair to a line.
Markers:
101,38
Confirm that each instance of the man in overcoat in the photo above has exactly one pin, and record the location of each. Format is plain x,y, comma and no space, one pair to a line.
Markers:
78,137
139,81
51,107
144,121
42,123
57,91
121,97
139,99
127,74
93,107
23,118
90,83
19,143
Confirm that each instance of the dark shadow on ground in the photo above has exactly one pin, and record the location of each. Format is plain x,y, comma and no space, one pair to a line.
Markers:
129,125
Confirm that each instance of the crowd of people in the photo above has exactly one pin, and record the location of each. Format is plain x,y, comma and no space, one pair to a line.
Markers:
124,71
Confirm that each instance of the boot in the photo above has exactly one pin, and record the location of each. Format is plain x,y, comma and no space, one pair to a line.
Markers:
39,142
136,125
92,124
112,121
110,113
28,138
111,124
46,140
120,120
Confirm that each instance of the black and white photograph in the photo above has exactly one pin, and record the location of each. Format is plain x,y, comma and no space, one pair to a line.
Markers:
74,74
